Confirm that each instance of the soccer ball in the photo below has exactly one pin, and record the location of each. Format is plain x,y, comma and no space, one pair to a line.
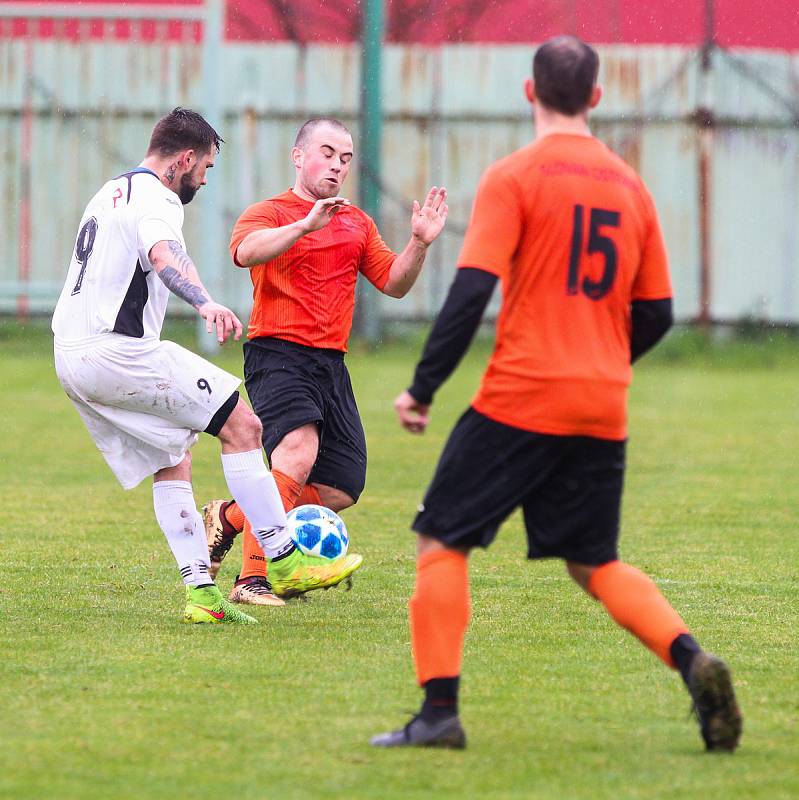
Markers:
318,531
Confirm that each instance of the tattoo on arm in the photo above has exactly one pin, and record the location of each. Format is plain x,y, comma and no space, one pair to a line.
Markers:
183,288
183,261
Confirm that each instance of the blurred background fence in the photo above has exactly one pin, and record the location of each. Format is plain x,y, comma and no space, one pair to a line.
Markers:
702,99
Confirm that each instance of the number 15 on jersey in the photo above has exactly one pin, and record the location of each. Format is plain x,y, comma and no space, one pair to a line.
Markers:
598,242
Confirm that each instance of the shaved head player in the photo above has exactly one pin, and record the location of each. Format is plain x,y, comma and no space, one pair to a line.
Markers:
304,250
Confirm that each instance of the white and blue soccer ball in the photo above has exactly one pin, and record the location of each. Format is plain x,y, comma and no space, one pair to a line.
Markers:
318,531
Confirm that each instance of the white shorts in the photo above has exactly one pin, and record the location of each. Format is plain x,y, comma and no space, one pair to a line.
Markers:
144,401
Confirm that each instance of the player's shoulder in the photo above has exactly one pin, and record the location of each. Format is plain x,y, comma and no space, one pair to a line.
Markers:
269,206
503,175
145,188
352,214
615,161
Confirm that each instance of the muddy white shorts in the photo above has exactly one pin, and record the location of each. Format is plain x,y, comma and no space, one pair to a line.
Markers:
144,401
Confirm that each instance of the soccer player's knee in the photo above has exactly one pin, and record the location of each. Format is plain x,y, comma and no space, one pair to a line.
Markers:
580,573
335,499
254,428
242,429
345,501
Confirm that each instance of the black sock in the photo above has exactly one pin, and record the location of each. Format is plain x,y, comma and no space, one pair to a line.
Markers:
440,698
683,650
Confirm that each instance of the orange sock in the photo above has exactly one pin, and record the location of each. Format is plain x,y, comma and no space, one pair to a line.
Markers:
309,495
289,489
234,515
439,614
253,562
633,600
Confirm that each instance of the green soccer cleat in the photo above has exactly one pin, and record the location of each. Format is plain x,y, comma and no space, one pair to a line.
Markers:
299,573
206,605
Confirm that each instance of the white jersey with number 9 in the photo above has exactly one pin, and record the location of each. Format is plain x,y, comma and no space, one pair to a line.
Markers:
111,286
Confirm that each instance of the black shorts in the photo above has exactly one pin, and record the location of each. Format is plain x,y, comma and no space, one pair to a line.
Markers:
569,488
291,385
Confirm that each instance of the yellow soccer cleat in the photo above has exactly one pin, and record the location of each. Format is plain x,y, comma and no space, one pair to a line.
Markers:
298,573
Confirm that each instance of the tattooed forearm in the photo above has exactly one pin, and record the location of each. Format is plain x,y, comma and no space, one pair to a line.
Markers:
182,259
186,290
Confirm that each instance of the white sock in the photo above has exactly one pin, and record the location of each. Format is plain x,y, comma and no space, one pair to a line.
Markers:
255,491
182,525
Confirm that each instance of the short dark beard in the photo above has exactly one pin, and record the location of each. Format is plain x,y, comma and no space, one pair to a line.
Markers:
186,190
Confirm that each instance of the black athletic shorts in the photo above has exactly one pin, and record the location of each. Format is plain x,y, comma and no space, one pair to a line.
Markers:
291,385
569,488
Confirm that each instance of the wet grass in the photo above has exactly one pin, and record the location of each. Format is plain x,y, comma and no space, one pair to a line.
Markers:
105,694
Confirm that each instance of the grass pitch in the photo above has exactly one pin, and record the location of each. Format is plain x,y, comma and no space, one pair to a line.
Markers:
105,694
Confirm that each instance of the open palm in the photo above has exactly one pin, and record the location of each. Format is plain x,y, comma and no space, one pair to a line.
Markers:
428,220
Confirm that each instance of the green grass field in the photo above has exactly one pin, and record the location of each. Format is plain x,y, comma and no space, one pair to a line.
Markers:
105,694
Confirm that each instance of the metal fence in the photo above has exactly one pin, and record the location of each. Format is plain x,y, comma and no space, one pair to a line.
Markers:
714,133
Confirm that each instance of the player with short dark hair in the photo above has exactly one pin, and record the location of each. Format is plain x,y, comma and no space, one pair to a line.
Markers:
565,71
143,400
305,249
572,234
183,129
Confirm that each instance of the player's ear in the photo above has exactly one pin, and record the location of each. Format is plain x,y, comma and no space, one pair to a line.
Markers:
596,96
187,158
529,90
296,156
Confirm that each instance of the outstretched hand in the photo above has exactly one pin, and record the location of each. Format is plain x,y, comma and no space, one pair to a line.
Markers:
223,318
428,220
413,415
322,212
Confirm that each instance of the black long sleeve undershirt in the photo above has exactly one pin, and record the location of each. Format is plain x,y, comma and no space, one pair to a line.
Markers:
650,321
453,331
460,317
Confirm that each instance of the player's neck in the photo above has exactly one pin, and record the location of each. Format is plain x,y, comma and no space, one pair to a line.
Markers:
160,167
300,191
548,123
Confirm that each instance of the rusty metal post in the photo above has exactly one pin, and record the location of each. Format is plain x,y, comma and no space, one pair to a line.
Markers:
705,126
26,146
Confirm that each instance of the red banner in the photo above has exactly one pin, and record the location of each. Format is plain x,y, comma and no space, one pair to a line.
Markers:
748,23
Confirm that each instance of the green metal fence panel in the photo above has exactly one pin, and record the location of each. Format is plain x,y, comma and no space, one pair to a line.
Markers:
448,112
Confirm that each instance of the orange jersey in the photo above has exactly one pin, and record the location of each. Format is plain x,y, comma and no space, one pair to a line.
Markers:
307,294
573,235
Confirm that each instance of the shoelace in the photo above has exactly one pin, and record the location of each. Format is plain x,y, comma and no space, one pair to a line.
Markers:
261,586
220,548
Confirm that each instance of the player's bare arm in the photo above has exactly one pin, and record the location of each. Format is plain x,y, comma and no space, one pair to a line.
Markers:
262,246
427,221
177,271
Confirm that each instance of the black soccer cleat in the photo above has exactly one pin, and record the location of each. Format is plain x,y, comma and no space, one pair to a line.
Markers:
419,732
710,685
